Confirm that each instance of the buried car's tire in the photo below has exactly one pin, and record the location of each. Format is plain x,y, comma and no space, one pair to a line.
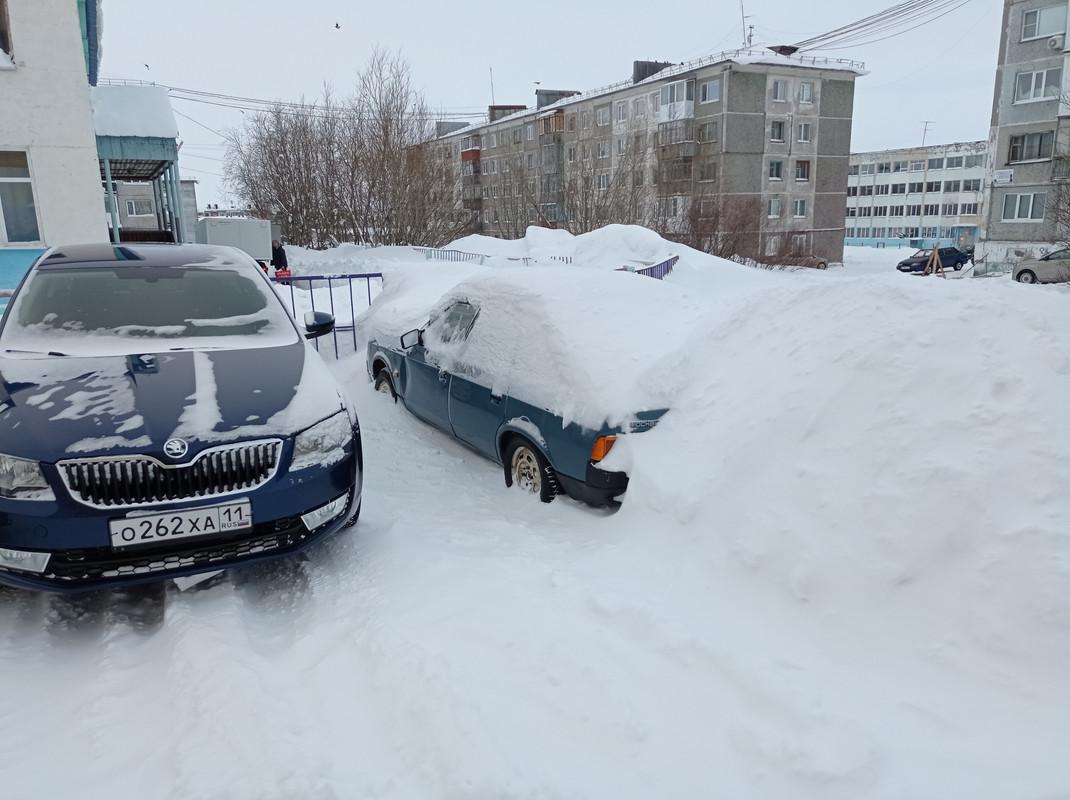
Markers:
383,383
1026,276
528,468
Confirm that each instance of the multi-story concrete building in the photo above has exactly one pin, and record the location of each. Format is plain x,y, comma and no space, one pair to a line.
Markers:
916,197
737,143
1029,142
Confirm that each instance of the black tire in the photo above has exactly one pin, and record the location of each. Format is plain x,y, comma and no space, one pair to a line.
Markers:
1026,276
527,467
958,266
384,384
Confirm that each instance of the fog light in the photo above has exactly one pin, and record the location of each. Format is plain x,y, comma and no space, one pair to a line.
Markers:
23,560
324,514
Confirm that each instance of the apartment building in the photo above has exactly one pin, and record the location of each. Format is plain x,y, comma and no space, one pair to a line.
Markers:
916,197
740,141
1029,141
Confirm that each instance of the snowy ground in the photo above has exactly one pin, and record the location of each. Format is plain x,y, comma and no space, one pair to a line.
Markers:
840,571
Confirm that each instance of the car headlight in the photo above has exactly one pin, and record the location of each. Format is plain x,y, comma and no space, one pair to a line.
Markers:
324,444
21,479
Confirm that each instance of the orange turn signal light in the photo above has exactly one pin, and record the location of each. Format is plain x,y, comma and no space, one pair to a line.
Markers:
602,447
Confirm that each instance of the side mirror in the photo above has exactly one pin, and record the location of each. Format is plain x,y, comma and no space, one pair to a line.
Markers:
317,323
412,338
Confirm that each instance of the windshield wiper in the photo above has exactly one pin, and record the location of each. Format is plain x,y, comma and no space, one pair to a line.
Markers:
37,352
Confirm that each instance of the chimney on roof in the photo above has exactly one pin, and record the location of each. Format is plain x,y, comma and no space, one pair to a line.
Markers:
641,70
547,97
497,112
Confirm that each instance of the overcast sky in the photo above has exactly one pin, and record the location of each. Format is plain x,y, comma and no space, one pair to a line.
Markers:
467,56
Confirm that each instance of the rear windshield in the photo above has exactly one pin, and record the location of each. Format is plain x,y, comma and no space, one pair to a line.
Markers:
89,310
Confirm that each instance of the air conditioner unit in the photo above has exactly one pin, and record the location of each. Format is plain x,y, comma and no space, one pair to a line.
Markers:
1056,42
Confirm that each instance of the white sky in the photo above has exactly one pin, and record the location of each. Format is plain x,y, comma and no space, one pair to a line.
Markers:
942,73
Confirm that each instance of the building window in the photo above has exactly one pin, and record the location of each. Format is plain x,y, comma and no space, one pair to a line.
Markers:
139,208
932,209
969,208
803,132
1044,22
678,92
529,131
640,106
882,188
866,169
780,91
1024,207
896,211
776,170
18,212
603,149
884,167
916,187
917,166
1031,147
852,169
913,211
586,119
974,161
601,115
1043,85
852,212
800,208
880,211
802,170
950,209
933,186
952,186
710,91
622,145
603,181
655,102
707,170
774,208
900,166
899,188
936,163
852,191
865,191
772,245
806,93
622,112
776,131
972,185
708,131
953,162
798,243
5,29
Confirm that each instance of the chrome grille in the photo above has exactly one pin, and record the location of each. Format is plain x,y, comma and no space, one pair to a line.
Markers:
128,481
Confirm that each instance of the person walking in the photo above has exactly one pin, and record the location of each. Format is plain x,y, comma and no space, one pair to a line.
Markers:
278,256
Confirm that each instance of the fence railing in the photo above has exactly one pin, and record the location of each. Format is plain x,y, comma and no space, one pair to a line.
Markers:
659,271
344,296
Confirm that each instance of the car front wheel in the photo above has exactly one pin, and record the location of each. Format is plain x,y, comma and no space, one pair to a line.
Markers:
383,384
528,468
1026,276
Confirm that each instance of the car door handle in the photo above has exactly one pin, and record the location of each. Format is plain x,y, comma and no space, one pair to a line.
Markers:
496,399
443,376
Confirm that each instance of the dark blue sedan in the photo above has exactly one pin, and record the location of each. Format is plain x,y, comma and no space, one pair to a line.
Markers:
479,371
161,415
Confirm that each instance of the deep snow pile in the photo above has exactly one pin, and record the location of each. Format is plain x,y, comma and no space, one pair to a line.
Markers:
840,571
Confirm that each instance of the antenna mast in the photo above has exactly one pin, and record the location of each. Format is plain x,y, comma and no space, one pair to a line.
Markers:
743,19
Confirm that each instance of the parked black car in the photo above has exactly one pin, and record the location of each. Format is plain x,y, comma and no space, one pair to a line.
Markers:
950,258
161,415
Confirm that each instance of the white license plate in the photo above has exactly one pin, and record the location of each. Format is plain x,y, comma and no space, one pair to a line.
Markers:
189,522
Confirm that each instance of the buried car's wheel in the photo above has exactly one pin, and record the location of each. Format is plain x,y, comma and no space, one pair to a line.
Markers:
383,384
528,468
1026,276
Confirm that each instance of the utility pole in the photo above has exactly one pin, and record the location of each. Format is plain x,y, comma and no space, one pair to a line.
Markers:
743,19
925,130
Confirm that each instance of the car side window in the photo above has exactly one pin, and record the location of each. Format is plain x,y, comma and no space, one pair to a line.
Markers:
455,324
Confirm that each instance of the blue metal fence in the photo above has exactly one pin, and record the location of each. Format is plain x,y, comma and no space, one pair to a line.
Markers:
659,271
344,296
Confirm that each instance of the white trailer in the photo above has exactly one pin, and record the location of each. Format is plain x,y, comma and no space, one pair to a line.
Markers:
248,234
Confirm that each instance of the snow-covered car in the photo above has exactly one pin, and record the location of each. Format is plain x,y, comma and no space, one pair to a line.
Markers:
534,369
161,416
1052,268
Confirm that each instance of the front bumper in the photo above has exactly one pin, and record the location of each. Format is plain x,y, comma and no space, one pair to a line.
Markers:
81,557
601,487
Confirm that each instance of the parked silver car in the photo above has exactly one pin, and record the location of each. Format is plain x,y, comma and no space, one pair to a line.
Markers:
1052,268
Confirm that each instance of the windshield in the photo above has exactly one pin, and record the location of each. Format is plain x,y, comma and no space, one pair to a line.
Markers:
119,310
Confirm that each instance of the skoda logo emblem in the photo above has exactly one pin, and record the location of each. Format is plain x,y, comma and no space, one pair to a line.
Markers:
176,448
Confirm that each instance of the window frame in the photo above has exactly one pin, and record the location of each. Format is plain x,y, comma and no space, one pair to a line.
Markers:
20,180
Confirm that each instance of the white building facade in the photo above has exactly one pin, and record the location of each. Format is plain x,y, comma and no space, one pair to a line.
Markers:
916,197
50,189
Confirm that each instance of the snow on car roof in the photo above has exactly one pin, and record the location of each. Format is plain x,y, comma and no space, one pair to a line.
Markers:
563,338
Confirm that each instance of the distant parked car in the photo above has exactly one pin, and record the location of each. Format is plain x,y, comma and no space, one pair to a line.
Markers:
1052,268
950,257
161,415
506,370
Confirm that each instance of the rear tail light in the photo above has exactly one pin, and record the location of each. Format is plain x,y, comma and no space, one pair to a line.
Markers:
602,447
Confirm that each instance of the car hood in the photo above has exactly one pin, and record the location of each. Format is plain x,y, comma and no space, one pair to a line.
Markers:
53,408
